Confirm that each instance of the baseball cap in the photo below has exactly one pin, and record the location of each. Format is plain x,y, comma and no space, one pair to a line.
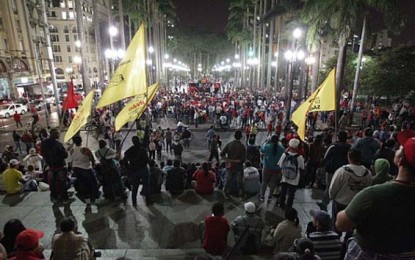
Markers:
28,239
14,162
250,207
321,216
294,143
407,140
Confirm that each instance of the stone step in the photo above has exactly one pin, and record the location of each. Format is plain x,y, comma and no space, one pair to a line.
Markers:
147,254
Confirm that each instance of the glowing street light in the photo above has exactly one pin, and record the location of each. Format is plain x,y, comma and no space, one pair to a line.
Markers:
166,56
113,31
297,33
151,49
78,43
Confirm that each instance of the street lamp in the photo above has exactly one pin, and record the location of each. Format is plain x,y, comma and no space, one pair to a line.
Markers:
113,31
166,56
292,56
151,49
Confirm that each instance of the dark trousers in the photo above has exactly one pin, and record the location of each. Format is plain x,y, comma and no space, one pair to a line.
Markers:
311,169
214,155
168,146
19,123
86,182
136,176
152,154
57,184
290,189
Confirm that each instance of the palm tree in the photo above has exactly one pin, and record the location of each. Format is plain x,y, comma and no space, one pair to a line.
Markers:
84,54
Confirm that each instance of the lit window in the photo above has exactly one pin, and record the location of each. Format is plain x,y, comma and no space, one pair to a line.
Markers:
62,4
71,15
70,4
64,15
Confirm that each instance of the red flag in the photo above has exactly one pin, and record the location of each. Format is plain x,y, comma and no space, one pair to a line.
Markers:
70,100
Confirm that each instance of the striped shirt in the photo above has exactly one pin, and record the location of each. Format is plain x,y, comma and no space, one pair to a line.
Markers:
327,244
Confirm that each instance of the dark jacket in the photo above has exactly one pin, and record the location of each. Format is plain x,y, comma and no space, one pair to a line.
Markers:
175,180
336,156
135,157
53,152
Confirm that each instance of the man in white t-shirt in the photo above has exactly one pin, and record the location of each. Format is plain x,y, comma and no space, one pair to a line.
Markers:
292,165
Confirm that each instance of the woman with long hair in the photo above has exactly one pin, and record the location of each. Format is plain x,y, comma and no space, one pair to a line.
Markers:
287,231
205,180
271,153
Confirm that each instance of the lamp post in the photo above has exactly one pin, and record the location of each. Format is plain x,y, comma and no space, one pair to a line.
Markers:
292,56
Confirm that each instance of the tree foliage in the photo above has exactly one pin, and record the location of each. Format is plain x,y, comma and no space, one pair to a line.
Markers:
391,74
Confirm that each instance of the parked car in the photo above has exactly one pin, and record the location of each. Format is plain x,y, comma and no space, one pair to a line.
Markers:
8,110
38,104
5,101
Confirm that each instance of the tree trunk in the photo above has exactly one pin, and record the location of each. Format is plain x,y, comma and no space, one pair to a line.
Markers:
84,48
270,49
315,68
97,31
261,64
121,14
357,74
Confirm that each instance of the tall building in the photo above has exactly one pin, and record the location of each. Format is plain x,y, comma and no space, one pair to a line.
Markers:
23,44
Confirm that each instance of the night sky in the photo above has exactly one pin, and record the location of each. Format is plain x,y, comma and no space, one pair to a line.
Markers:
203,15
212,15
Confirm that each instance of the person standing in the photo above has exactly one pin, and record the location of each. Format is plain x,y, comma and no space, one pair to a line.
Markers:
383,216
16,140
210,135
214,149
216,230
335,157
54,154
271,172
18,119
234,153
347,181
177,148
169,137
83,162
292,165
368,147
136,160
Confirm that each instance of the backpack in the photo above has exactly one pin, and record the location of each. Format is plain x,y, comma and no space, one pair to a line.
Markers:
250,247
107,165
290,166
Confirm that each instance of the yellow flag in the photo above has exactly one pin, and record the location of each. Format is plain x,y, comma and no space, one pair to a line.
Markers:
299,116
135,107
323,99
130,77
81,116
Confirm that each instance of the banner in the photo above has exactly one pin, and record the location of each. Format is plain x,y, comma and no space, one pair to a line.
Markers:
81,116
70,100
135,108
130,77
323,99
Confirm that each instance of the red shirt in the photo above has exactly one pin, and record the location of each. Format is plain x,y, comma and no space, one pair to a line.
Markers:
204,184
16,117
216,232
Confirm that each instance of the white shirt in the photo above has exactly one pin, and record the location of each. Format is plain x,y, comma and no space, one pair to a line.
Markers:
300,161
79,160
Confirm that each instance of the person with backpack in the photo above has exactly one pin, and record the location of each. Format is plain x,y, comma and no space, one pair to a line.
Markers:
271,173
110,171
292,165
248,230
347,181
335,157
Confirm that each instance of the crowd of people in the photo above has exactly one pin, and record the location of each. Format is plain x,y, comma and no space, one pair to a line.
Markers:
367,173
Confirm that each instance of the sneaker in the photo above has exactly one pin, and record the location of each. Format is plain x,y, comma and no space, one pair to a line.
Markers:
261,199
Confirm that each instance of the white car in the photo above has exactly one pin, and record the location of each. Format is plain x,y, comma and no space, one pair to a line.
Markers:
8,110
